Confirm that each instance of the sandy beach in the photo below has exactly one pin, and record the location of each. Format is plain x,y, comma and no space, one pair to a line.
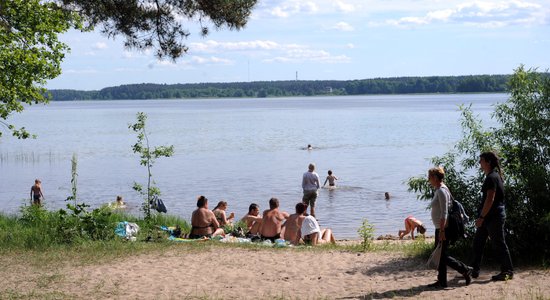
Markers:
241,273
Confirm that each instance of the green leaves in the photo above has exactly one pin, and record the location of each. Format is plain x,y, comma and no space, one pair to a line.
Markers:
30,54
147,159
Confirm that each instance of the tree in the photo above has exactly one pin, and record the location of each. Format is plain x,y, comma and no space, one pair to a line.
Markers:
148,156
521,140
31,53
158,23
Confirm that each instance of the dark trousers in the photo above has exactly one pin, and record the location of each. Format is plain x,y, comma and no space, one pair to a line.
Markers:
447,260
493,228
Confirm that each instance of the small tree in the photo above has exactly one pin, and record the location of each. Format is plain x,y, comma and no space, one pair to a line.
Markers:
366,232
147,159
522,142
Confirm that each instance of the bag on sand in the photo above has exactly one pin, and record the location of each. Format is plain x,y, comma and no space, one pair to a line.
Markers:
435,257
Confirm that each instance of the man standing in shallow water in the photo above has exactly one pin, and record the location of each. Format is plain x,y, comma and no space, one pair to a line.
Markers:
310,185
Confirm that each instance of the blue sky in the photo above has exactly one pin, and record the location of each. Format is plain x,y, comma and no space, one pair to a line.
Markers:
331,40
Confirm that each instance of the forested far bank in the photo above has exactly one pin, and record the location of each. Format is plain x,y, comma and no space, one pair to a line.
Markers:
261,89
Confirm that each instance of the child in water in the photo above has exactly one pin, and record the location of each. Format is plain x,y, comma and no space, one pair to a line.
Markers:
36,193
331,179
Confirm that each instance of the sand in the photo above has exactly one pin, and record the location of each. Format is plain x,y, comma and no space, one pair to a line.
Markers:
240,273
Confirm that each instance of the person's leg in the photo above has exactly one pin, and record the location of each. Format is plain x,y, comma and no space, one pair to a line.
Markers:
328,236
442,269
218,232
480,238
497,234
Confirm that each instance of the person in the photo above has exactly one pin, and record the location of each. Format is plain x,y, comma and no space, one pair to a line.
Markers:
309,147
293,224
412,223
36,193
272,221
331,179
440,204
312,233
253,220
310,185
491,218
387,196
118,203
219,212
203,221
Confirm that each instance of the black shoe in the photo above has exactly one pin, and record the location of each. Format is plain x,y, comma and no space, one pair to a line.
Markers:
503,276
437,285
467,275
475,273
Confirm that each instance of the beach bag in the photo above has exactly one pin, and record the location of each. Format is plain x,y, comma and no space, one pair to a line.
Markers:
456,221
158,205
435,257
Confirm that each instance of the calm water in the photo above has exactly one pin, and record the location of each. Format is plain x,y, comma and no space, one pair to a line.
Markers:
242,151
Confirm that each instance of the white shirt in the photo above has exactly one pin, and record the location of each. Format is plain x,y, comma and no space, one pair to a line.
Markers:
309,226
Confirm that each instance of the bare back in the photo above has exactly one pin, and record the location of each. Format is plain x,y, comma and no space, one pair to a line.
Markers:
203,221
271,222
293,226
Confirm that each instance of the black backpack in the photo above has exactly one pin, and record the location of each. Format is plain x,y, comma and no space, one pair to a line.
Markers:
456,221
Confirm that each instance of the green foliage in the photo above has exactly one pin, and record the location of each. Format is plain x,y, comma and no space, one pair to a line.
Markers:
261,89
30,54
366,233
522,142
148,156
160,24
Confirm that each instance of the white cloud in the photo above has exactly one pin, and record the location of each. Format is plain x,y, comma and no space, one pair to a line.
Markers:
344,6
343,26
481,14
83,71
304,54
350,45
293,7
100,46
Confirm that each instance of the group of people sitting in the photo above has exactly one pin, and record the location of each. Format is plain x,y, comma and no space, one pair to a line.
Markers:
272,225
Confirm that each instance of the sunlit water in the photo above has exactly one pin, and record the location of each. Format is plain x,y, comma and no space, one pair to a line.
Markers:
242,151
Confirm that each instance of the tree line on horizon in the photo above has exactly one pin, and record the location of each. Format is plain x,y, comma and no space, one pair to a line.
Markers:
263,89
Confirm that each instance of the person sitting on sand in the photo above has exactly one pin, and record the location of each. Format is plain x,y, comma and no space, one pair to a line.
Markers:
203,221
412,223
36,193
312,233
219,212
253,219
293,224
331,179
272,221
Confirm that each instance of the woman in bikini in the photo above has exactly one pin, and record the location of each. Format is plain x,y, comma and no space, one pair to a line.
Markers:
219,212
203,221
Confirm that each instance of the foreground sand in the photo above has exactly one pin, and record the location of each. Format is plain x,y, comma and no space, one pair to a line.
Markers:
237,273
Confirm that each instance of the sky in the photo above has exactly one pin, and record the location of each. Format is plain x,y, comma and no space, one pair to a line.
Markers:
330,40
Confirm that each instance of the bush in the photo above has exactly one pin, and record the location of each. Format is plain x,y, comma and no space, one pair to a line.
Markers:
522,142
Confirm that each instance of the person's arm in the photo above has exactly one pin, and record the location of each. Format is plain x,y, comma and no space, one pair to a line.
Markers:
443,204
214,221
317,182
325,182
31,194
41,194
486,206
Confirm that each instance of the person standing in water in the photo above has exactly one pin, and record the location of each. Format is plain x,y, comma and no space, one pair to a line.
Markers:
310,185
36,193
331,179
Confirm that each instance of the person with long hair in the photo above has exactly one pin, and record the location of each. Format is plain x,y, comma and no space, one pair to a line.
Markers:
203,221
440,208
491,218
219,212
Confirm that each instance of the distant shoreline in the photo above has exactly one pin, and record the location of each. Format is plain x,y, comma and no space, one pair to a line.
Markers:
299,88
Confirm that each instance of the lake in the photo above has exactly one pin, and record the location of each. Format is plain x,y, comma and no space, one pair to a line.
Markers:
242,151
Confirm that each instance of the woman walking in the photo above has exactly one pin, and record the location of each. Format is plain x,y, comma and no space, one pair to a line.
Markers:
491,218
440,208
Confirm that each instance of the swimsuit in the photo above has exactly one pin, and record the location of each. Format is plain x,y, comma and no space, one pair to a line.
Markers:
271,238
199,236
